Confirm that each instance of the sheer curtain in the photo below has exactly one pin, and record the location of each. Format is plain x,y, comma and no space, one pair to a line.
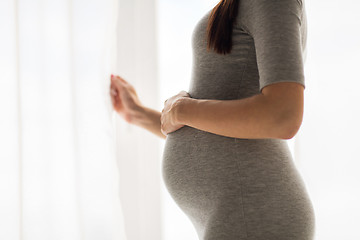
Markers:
58,174
138,151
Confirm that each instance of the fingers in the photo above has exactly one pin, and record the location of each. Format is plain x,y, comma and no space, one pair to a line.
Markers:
115,86
113,89
113,92
118,81
113,100
121,79
114,95
184,93
163,132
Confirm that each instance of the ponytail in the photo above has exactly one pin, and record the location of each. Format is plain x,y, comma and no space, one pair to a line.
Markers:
220,26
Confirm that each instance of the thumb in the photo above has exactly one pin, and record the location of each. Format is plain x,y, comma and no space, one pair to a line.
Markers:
113,91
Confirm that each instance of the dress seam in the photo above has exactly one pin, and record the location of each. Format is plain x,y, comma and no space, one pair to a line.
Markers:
244,70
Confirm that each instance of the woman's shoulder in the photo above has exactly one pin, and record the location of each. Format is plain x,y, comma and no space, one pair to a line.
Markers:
272,11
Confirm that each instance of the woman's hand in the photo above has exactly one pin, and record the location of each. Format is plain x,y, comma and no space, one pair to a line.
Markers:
124,98
168,114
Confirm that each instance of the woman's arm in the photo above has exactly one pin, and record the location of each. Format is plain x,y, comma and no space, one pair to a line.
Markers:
128,105
148,119
275,113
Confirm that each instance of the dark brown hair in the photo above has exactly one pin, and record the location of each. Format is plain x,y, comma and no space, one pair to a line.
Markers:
220,26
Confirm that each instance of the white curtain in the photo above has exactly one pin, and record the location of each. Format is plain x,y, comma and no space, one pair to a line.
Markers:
58,174
138,151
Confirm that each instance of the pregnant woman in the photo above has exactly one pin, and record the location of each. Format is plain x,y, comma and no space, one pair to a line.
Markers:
226,162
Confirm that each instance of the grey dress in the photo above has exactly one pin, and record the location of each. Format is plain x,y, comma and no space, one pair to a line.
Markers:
237,188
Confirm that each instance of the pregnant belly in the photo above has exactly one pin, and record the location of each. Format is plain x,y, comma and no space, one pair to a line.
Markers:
203,171
197,163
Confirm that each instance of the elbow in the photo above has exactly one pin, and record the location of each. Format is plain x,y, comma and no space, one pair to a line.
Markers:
290,133
288,127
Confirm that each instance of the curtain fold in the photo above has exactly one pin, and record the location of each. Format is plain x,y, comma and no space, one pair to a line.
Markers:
138,150
58,174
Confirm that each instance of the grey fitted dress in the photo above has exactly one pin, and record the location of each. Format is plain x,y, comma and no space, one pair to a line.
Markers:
238,188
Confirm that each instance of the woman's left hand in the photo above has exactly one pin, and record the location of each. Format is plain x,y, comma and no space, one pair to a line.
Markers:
168,118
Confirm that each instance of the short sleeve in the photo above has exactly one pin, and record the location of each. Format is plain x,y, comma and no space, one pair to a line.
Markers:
275,26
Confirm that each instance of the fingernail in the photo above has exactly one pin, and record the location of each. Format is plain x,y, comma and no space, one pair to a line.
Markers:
112,76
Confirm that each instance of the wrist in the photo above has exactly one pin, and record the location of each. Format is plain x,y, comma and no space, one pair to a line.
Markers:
180,109
138,115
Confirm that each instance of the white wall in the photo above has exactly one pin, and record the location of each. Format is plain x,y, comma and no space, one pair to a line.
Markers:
328,149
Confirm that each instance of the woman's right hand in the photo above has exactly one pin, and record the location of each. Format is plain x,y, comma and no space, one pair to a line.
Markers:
124,98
